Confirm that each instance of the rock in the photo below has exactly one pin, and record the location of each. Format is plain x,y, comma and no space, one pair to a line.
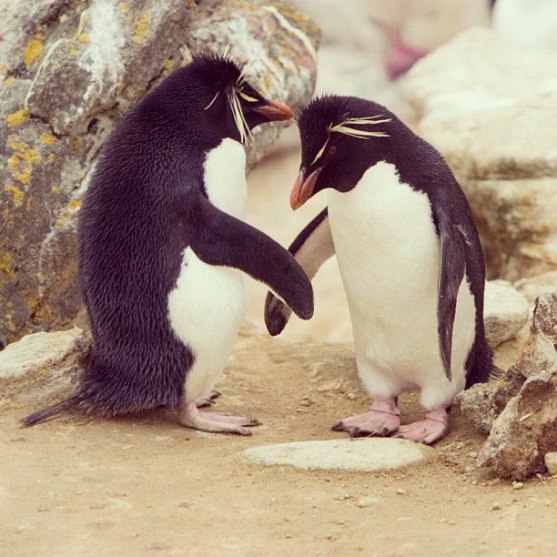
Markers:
525,431
40,366
539,353
536,286
505,312
482,403
550,460
489,119
106,55
367,455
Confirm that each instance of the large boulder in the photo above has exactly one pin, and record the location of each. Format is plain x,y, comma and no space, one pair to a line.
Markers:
69,70
486,105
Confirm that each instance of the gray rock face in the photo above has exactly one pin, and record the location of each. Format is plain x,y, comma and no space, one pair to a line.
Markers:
505,312
525,431
489,119
367,455
39,367
69,71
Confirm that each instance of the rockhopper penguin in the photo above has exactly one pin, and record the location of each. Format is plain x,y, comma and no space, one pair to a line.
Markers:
409,257
161,243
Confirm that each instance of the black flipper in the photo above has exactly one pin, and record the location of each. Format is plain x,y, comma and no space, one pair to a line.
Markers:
220,239
311,248
452,267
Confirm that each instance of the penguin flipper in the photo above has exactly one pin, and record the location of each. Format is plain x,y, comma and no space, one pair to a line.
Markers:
452,266
311,248
227,241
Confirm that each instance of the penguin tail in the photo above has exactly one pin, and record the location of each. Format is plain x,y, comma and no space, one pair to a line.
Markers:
51,412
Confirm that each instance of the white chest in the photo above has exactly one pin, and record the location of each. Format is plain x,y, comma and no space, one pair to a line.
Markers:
225,177
384,235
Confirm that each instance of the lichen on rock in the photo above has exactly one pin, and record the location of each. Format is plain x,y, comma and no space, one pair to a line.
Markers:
71,70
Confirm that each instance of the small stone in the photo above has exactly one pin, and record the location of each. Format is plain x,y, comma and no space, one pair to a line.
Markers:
550,460
366,502
306,401
401,491
496,507
518,485
473,454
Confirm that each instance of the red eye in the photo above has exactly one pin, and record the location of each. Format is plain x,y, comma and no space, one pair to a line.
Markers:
331,151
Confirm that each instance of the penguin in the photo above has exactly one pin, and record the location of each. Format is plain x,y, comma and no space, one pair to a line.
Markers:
409,258
162,247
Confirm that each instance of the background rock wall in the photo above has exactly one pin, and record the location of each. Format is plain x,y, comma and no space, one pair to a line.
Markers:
70,69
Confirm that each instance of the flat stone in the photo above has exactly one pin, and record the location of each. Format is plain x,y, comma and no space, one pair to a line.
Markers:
366,455
42,364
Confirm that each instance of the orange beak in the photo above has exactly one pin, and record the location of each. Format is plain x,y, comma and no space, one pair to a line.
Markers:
273,110
303,189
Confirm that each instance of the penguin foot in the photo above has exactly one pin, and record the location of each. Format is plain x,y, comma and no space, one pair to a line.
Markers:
432,428
383,419
208,399
190,416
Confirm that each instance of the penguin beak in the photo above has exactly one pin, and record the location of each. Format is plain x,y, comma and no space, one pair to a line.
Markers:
273,110
303,189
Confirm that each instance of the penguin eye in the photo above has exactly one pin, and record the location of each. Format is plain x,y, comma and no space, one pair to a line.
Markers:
321,151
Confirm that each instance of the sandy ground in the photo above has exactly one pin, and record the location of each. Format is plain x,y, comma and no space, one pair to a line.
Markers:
145,485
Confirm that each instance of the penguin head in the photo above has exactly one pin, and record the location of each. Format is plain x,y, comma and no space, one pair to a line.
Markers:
219,95
341,138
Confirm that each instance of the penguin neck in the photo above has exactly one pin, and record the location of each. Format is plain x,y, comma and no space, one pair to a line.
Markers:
224,176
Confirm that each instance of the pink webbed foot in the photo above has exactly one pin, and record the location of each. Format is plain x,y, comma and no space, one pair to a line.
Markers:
432,428
382,419
208,399
190,416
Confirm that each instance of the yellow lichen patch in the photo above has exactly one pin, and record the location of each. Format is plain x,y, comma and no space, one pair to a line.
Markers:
74,204
6,264
6,213
54,189
47,139
140,29
74,52
21,239
17,117
83,38
33,49
51,156
124,7
168,64
9,81
13,162
3,69
17,194
23,176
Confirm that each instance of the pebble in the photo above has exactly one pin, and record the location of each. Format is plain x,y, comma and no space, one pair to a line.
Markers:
551,463
496,507
363,502
518,485
401,491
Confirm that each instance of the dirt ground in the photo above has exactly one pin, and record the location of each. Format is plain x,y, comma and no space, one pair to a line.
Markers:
145,485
